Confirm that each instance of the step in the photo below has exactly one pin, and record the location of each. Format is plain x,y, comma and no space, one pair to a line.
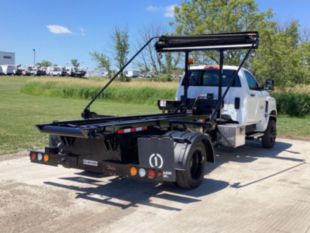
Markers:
255,136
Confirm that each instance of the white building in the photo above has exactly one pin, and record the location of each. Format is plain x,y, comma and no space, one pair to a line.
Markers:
7,58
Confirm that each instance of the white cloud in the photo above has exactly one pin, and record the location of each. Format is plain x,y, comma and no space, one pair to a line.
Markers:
82,31
58,29
152,8
168,11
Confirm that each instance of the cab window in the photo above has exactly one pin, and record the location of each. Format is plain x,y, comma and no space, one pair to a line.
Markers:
252,83
211,78
195,77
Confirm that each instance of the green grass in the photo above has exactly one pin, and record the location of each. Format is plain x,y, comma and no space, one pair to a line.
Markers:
20,113
294,126
293,102
146,92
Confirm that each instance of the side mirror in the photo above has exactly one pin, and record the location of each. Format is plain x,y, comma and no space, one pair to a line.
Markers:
269,85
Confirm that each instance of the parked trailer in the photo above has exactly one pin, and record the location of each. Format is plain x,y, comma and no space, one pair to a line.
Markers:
173,146
132,73
8,69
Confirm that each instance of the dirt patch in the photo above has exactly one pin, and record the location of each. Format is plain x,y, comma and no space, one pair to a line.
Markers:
27,205
294,137
13,155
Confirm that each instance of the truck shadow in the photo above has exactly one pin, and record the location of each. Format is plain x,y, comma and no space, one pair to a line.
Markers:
125,193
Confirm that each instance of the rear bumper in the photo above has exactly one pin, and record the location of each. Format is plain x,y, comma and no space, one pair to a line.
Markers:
49,157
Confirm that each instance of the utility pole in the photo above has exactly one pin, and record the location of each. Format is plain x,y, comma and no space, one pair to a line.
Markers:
34,57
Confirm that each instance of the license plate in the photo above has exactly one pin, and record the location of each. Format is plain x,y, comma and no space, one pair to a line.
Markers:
90,162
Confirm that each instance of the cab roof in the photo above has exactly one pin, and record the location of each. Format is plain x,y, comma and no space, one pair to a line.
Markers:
212,67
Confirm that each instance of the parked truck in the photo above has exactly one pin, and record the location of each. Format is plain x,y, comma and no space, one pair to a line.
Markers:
54,70
214,105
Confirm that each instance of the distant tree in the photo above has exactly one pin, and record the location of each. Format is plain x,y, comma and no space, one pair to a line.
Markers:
282,54
75,63
121,48
102,61
168,63
283,58
196,17
44,63
150,60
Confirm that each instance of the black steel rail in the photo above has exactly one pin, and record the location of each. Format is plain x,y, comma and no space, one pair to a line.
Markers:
82,128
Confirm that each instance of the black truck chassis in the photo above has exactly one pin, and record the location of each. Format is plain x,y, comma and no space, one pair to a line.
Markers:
155,150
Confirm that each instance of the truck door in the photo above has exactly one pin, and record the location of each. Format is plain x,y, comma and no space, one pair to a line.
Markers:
255,101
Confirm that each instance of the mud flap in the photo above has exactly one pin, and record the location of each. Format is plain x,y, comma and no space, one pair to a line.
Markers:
157,153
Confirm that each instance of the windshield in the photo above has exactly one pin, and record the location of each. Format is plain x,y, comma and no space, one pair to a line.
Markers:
211,78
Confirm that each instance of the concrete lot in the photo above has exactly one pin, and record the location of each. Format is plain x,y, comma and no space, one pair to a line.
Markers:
249,189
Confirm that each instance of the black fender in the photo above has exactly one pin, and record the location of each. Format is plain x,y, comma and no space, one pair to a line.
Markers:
184,142
273,115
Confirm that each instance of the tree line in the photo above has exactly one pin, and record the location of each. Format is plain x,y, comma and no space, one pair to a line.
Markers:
283,53
45,63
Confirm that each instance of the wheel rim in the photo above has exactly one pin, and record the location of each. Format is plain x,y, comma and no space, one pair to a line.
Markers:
196,167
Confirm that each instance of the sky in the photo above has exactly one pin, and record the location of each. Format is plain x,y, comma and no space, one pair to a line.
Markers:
60,30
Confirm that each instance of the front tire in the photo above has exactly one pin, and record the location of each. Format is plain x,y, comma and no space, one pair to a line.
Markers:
269,138
193,175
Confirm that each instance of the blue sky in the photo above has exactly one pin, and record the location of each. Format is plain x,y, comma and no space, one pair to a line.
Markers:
61,30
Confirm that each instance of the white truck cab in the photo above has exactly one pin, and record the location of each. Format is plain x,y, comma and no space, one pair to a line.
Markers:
249,106
54,70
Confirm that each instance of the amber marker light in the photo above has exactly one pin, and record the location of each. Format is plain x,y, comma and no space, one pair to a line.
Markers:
45,157
133,171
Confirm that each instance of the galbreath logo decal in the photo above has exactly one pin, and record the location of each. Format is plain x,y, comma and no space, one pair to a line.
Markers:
156,160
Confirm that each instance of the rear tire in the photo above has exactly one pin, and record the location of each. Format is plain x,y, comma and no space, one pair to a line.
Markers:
269,138
193,175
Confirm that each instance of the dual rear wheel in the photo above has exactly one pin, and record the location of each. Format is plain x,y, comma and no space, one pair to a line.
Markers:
193,174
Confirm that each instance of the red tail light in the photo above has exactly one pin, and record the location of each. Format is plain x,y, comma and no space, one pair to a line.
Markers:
33,156
151,174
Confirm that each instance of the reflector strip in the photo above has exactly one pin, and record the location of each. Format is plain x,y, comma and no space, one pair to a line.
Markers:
131,130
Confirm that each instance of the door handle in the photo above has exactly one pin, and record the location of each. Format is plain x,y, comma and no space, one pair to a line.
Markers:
253,95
